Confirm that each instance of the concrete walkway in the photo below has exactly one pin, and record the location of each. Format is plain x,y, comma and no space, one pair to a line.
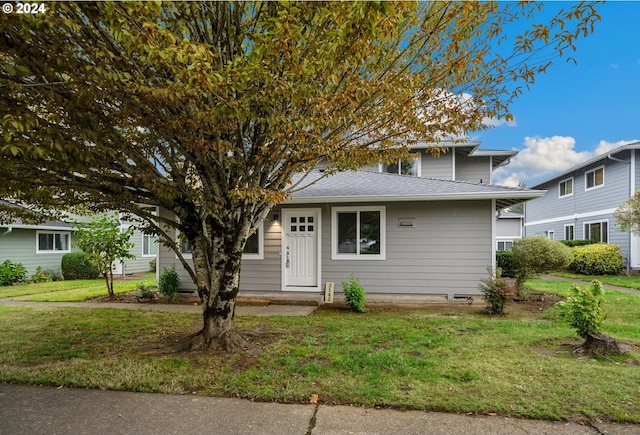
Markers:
33,410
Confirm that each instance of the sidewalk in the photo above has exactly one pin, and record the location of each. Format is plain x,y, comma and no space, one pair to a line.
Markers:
33,410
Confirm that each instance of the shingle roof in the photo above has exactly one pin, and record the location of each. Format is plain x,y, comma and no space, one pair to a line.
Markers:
19,223
366,186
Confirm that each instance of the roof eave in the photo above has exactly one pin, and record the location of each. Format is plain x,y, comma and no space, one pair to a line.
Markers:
519,196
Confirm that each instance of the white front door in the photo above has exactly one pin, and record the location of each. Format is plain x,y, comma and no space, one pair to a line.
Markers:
300,249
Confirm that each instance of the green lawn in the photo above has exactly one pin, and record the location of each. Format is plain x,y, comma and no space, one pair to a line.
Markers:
454,359
71,291
618,280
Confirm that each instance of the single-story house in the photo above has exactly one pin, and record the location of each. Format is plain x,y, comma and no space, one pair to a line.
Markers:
401,235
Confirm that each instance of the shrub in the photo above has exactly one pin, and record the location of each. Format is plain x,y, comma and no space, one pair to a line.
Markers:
152,265
598,259
76,265
583,308
169,283
41,275
504,260
145,292
12,273
535,255
496,292
354,294
572,243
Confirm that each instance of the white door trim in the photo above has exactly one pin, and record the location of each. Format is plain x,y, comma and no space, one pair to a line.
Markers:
286,213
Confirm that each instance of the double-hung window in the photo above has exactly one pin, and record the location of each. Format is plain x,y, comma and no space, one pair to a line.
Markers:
149,245
566,187
53,242
594,178
402,167
358,233
569,232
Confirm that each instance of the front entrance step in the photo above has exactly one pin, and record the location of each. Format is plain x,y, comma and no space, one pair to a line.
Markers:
312,300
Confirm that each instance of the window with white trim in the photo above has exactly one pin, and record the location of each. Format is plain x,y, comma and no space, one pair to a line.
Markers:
597,231
594,178
403,167
49,242
504,245
569,232
566,187
149,245
358,233
551,234
253,248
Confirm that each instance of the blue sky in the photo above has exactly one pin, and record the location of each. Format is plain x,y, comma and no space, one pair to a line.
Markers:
574,112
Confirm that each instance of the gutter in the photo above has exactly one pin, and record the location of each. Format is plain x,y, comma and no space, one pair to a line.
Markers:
628,163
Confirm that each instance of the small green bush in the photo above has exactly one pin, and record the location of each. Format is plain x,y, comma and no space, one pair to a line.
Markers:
536,255
354,294
145,292
12,273
496,292
504,260
597,259
41,275
583,308
152,265
169,283
572,243
76,265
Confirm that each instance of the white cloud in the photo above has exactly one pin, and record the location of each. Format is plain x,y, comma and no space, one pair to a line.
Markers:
544,156
495,122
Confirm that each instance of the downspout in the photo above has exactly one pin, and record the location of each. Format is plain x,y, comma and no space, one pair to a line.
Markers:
628,163
9,229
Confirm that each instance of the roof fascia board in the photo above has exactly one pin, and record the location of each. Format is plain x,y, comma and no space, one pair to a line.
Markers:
432,197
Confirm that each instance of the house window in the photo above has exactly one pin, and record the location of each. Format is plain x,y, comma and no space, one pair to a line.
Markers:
505,245
402,167
594,178
358,233
566,187
149,245
52,242
551,234
569,232
597,231
253,248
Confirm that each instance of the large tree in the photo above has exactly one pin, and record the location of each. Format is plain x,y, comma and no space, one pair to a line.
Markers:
207,109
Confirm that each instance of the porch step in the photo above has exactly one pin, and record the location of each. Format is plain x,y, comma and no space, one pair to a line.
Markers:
312,300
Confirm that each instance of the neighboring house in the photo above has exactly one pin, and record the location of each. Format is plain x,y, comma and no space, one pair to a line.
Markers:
580,202
399,234
508,228
44,245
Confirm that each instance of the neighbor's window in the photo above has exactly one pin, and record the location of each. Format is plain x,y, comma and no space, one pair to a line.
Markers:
403,167
597,231
569,232
566,187
358,232
149,245
594,178
505,245
52,242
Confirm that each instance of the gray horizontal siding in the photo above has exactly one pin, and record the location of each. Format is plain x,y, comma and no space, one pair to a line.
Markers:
436,167
473,169
447,252
19,246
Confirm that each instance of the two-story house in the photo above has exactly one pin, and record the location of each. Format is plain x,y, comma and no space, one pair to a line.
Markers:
421,227
580,202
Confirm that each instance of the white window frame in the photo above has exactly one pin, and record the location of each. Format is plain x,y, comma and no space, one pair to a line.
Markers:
586,228
551,234
593,171
54,251
147,244
573,231
418,160
357,256
251,256
560,195
504,242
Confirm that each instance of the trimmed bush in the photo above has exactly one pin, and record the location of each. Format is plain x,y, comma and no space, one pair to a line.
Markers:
12,273
76,265
504,260
535,255
496,292
597,259
572,243
354,294
41,275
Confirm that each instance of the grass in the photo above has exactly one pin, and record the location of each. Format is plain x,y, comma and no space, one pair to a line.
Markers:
617,280
70,291
454,359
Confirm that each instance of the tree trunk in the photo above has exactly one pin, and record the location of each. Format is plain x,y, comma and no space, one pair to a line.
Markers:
599,344
109,285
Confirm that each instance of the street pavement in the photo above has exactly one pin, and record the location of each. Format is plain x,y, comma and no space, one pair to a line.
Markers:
37,410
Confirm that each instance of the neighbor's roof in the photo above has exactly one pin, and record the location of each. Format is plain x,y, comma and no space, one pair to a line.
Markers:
366,186
18,223
631,146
